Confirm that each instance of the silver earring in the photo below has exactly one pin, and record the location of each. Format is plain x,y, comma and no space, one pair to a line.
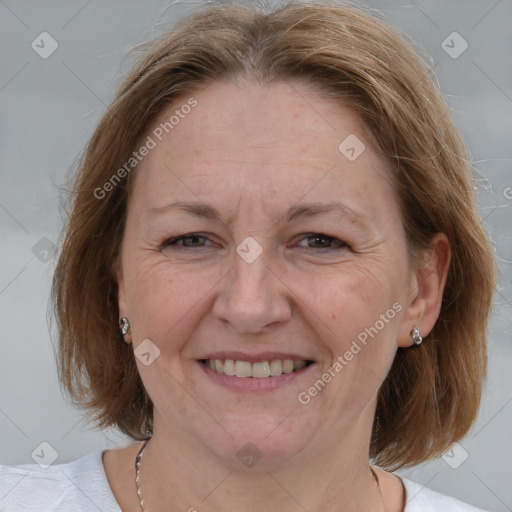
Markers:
415,334
124,325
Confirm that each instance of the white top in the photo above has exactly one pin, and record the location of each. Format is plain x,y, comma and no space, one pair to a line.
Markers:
82,485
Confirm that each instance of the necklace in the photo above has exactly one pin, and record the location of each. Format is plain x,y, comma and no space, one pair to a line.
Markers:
138,459
137,474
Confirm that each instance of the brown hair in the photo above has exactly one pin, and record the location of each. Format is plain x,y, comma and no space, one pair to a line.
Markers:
432,393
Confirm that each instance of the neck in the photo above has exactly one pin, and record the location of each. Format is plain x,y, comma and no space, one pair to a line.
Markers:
176,471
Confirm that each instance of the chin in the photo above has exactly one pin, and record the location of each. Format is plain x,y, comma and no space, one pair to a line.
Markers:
261,442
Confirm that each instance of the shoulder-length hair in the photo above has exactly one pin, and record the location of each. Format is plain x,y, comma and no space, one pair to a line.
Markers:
432,393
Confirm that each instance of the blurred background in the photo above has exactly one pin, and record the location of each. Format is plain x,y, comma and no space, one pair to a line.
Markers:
61,63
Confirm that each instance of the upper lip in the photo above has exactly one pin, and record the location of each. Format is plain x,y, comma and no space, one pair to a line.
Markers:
253,358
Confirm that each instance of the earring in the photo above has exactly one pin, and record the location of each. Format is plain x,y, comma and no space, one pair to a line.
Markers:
124,325
415,334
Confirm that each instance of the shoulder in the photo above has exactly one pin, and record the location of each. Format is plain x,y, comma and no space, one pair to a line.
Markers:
421,499
74,486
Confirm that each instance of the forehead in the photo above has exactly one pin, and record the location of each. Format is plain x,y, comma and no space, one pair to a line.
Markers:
276,141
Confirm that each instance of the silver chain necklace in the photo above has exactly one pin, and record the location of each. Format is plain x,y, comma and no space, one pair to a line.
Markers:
137,474
138,458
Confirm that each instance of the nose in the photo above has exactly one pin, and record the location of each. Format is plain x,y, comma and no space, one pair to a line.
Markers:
253,296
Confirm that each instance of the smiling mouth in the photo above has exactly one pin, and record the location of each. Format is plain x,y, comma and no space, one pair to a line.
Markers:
257,370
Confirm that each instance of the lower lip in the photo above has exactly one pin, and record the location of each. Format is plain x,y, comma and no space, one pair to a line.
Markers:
252,384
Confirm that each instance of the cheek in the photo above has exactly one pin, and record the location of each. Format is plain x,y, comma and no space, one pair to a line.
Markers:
350,299
355,314
166,301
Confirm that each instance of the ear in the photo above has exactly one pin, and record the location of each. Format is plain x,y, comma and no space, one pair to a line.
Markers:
426,290
122,302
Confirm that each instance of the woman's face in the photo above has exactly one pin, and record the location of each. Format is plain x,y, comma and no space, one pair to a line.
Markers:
267,270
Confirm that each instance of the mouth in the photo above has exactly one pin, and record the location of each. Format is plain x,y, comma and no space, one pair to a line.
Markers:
253,373
266,369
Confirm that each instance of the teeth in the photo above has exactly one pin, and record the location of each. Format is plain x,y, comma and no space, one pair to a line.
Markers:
259,370
276,368
297,365
242,369
229,367
288,366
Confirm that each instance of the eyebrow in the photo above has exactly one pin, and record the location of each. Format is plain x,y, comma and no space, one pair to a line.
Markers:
302,210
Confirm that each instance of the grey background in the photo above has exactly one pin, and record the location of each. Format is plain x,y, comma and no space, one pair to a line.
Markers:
49,108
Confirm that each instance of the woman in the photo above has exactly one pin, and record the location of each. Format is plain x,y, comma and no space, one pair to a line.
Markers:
273,278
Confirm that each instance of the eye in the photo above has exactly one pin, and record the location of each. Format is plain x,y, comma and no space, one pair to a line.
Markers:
195,240
321,241
190,241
